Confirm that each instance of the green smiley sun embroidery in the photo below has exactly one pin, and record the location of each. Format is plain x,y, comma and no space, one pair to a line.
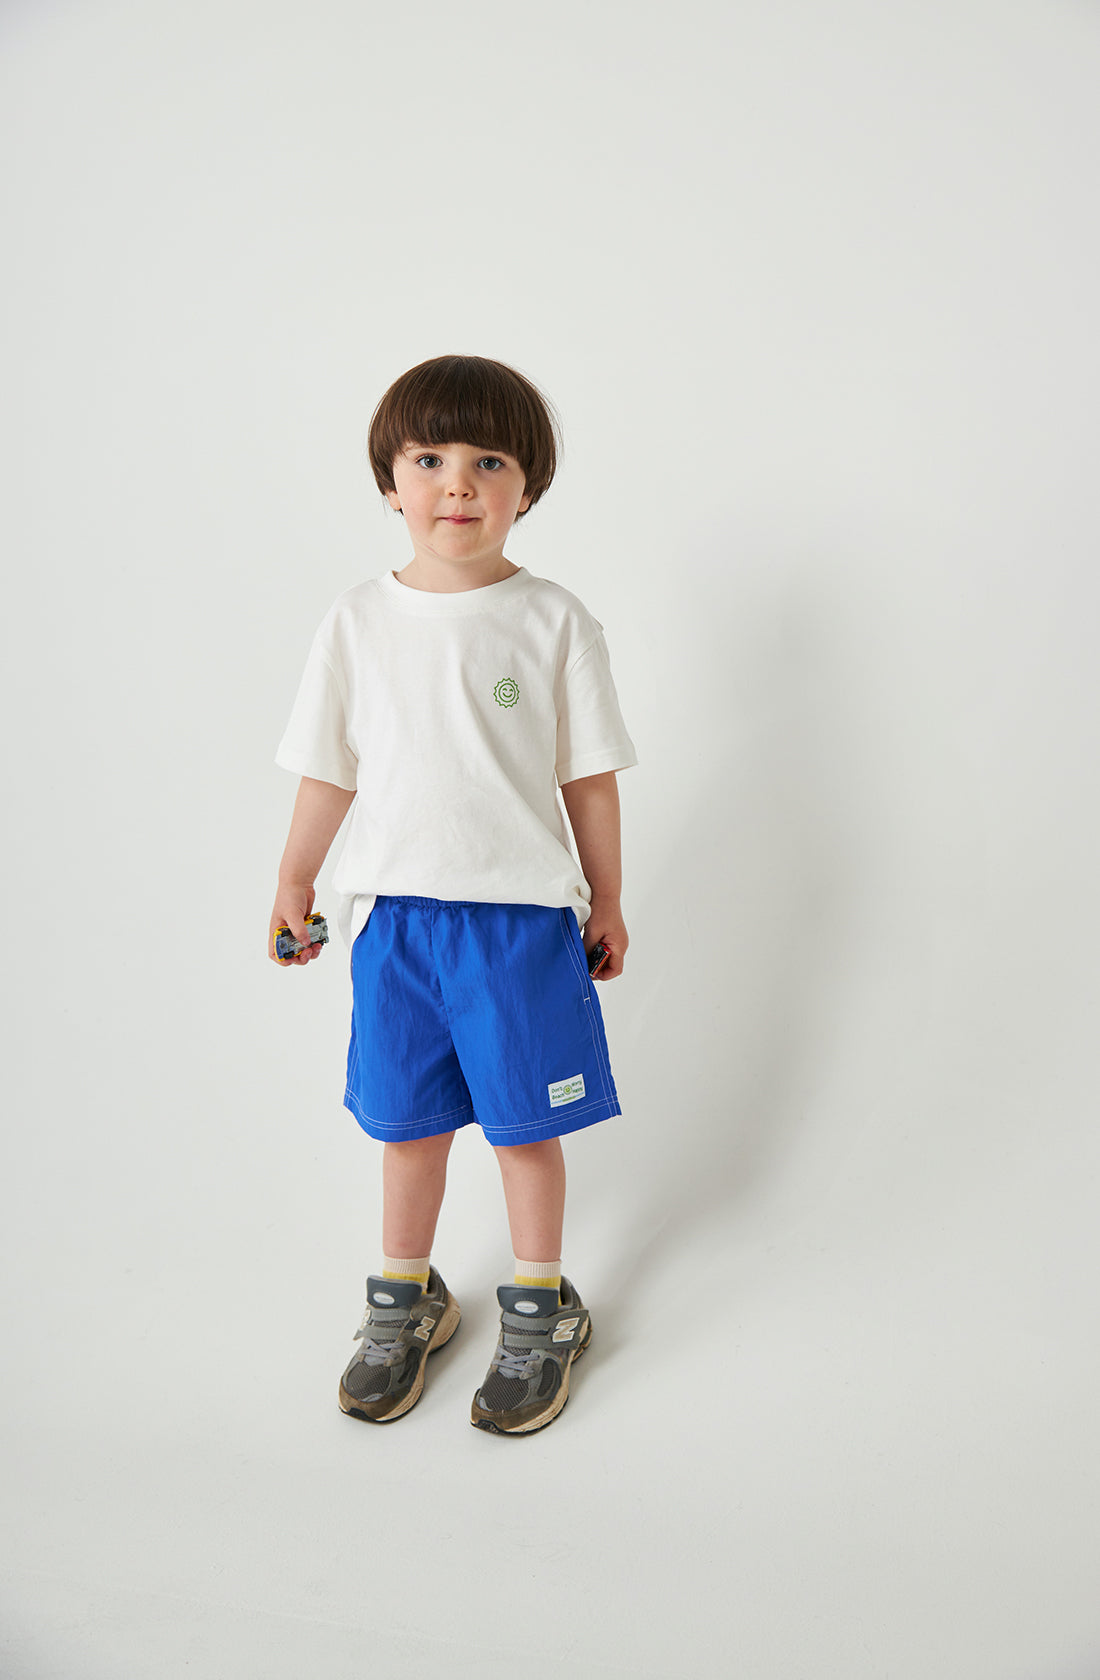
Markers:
506,692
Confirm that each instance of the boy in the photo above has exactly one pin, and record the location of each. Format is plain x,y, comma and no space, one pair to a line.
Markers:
449,701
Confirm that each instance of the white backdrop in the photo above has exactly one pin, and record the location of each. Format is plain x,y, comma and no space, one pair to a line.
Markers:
813,286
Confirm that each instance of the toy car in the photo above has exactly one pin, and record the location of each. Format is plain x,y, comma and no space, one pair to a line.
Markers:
597,957
286,946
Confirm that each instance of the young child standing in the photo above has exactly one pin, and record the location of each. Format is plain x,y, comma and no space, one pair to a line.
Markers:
449,702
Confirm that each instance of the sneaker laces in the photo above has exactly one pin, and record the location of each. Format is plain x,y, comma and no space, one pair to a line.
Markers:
517,1365
372,1351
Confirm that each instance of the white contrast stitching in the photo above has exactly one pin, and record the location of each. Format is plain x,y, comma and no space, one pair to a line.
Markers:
602,1062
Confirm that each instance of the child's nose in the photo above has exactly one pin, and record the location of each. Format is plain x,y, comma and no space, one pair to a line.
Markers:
460,484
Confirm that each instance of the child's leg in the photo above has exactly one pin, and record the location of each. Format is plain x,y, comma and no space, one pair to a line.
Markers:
410,1311
544,1324
534,1190
414,1177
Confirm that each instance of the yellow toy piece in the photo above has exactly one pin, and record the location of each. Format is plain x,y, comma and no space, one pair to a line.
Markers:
286,946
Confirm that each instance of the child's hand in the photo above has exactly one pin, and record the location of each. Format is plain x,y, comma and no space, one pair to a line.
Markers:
292,905
605,926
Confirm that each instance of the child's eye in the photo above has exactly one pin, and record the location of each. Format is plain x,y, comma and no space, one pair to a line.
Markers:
490,462
428,461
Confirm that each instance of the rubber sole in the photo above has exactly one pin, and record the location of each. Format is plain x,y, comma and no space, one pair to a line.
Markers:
446,1328
557,1405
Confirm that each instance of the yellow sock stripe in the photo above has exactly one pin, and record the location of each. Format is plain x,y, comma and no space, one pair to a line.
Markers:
413,1271
537,1277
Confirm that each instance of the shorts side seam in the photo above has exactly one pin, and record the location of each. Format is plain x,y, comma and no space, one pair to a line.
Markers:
597,1048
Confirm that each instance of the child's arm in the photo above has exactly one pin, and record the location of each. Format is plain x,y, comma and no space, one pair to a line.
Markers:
593,806
319,810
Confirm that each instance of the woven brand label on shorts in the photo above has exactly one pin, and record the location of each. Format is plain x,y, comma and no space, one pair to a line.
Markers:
566,1090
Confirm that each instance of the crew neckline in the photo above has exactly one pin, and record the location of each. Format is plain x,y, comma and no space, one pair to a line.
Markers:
430,603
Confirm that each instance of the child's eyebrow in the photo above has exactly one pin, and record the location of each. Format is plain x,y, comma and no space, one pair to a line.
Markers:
434,448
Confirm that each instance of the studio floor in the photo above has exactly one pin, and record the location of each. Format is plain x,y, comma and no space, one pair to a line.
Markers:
804,1445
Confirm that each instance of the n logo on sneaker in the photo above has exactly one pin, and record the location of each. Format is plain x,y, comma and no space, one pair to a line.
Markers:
565,1329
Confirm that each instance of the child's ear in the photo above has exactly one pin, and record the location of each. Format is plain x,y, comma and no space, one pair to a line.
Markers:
524,504
394,500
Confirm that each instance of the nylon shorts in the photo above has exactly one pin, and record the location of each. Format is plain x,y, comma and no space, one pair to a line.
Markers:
475,1012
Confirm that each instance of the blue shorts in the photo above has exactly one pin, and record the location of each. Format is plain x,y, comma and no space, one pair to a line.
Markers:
483,1012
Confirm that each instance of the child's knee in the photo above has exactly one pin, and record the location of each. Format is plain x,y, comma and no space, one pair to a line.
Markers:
422,1149
542,1150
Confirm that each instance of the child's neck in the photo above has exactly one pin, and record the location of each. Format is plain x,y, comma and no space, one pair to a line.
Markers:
450,577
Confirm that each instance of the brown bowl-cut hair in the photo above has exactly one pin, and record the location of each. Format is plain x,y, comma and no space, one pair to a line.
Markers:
466,399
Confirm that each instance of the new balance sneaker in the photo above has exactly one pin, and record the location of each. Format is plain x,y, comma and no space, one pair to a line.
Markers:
400,1327
528,1380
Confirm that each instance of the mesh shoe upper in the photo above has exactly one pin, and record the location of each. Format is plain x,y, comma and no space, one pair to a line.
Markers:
540,1336
400,1326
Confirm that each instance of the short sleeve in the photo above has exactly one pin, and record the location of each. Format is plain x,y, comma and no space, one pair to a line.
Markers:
592,736
315,743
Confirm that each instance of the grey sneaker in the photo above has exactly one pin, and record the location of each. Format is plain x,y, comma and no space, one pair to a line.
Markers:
400,1328
528,1381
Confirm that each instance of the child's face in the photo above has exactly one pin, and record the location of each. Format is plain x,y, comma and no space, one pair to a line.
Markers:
459,501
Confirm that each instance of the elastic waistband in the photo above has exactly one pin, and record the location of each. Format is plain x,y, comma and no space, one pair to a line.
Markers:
431,903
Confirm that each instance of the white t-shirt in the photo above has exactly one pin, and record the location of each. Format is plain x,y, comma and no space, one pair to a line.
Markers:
455,718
